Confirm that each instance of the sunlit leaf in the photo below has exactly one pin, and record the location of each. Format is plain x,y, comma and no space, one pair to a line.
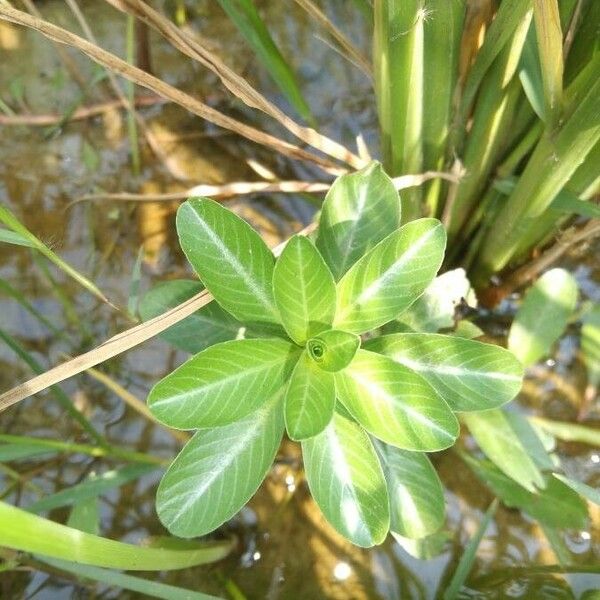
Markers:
333,350
436,308
223,383
543,315
346,480
304,290
395,404
219,470
388,279
427,547
496,435
231,259
587,491
415,490
309,399
467,374
30,533
360,210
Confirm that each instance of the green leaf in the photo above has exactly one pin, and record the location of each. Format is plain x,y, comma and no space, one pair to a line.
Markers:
569,432
92,487
309,399
417,506
85,516
387,280
436,308
467,374
543,316
427,547
304,290
588,492
247,19
149,588
334,349
219,470
10,452
23,531
590,344
230,258
208,326
556,505
467,330
568,203
14,238
346,481
223,383
395,404
495,434
360,210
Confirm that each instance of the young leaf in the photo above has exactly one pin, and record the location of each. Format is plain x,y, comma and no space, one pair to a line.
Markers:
334,349
467,374
388,279
556,505
208,326
223,383
231,259
304,290
219,470
415,490
309,399
360,210
346,481
395,404
543,315
494,433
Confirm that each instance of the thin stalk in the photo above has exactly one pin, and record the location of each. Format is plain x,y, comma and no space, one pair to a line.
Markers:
132,132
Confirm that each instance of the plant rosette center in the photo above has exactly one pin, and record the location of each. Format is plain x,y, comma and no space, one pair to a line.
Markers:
333,350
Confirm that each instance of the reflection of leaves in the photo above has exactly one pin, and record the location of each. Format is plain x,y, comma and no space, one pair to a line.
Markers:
543,315
556,505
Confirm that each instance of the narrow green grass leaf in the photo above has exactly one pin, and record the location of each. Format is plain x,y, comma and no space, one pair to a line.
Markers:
360,210
346,481
223,383
219,470
309,399
590,344
387,280
556,505
26,238
417,506
246,18
232,260
550,43
94,486
334,349
569,432
14,238
23,531
85,516
543,316
467,560
588,492
10,452
151,589
568,203
494,433
530,74
304,290
467,374
208,326
395,404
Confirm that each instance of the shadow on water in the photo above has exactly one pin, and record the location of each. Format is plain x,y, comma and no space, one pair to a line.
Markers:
286,549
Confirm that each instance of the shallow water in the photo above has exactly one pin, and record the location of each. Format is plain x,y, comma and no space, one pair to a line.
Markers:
285,548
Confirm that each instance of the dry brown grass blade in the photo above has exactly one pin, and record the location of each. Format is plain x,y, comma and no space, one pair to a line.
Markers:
114,346
192,46
161,88
345,45
240,188
85,112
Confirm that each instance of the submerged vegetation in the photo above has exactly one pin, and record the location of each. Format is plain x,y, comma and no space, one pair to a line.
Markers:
366,350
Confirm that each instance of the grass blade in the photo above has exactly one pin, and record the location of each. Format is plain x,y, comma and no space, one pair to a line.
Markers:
246,18
467,560
23,531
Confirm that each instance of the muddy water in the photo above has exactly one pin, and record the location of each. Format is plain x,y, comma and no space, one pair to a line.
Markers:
285,549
